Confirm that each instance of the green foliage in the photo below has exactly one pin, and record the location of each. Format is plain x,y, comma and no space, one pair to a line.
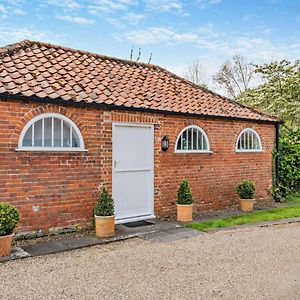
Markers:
104,205
280,92
9,218
245,189
289,164
184,194
260,216
294,198
280,95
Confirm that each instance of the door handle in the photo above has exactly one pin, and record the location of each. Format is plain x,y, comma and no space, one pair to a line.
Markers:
115,163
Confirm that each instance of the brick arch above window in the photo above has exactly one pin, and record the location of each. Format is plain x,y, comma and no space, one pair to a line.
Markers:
50,132
192,139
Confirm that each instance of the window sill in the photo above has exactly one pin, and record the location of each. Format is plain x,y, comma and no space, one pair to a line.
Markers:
249,151
43,149
193,152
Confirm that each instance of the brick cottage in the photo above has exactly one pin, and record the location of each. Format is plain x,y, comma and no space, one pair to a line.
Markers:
73,121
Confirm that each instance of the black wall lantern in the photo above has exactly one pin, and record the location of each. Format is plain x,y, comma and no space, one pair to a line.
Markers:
165,143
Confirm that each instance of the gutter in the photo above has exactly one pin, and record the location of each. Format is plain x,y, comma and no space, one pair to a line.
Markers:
277,169
60,101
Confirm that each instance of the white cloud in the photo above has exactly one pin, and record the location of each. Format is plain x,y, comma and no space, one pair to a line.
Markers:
75,19
13,35
205,36
66,4
156,35
249,17
134,19
163,5
18,11
261,50
215,45
3,9
97,7
11,8
129,19
208,31
203,4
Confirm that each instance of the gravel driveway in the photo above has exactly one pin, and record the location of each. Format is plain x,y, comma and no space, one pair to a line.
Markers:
254,263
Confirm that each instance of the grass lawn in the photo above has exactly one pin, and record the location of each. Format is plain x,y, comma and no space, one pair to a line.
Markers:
260,216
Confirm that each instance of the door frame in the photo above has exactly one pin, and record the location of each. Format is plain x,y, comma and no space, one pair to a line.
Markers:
130,124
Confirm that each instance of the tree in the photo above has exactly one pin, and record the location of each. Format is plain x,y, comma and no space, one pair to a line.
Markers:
196,74
235,76
280,92
289,164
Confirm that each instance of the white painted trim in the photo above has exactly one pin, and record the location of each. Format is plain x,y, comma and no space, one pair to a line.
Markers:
132,124
51,115
132,170
193,151
248,150
50,149
151,126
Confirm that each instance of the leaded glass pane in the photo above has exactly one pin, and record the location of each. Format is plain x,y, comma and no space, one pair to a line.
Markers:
48,132
75,139
38,133
66,135
57,132
27,140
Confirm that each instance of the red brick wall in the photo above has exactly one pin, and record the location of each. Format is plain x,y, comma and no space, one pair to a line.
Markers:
59,189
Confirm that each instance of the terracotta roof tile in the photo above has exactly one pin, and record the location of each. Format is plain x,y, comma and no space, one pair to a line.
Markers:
49,71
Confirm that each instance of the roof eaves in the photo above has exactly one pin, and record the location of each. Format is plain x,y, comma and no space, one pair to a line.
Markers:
61,101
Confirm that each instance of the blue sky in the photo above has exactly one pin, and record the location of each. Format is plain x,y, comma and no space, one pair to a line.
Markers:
176,32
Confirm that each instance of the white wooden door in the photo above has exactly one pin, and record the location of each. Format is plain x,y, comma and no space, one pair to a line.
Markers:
133,151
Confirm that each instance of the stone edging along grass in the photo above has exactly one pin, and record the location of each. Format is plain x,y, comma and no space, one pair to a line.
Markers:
249,218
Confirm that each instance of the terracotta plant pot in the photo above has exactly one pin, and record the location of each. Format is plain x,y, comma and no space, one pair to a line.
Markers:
105,226
5,244
184,213
247,204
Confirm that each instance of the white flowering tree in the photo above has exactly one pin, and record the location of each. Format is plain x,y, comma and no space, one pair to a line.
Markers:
279,93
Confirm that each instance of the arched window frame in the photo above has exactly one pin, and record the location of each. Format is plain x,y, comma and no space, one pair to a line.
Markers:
45,149
249,150
193,151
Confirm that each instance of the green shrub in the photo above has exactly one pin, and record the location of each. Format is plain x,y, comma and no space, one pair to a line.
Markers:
289,164
9,218
104,205
184,194
245,189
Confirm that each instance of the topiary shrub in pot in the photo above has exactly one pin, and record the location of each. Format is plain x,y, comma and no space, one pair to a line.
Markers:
9,218
104,213
184,202
246,190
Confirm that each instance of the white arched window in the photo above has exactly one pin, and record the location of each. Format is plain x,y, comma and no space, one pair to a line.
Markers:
192,139
51,132
248,141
